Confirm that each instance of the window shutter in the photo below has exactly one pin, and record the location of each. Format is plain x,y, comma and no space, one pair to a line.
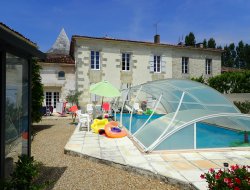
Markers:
163,64
151,63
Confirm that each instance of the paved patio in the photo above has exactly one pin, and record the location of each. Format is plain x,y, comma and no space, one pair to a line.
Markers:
175,167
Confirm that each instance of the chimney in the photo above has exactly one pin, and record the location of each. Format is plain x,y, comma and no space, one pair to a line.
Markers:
157,39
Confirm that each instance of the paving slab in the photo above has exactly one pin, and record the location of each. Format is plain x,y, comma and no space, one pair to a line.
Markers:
205,164
220,163
191,175
192,156
213,155
172,157
178,167
182,165
154,157
200,185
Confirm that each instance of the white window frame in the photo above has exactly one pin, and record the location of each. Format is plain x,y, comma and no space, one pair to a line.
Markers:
126,57
51,98
94,59
185,65
157,64
56,97
208,67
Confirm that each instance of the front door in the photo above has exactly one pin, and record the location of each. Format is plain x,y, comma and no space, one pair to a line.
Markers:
51,98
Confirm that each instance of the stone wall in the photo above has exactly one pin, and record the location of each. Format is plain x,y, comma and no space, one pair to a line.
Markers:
239,97
196,63
141,56
52,83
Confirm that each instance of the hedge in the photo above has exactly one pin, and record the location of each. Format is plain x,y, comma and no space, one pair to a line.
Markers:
231,82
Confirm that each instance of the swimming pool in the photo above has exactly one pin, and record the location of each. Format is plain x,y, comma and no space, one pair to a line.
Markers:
207,135
137,121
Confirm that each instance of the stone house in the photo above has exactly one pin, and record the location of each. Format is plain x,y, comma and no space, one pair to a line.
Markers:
58,72
126,63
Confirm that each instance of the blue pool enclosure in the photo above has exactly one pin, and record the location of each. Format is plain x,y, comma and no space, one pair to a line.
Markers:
180,114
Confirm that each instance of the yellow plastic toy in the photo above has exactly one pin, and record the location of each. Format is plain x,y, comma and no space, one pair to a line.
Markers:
98,124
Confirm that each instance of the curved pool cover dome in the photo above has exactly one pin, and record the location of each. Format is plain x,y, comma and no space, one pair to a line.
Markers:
185,104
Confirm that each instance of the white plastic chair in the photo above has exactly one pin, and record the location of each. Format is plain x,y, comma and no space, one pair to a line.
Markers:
136,106
78,112
89,109
84,121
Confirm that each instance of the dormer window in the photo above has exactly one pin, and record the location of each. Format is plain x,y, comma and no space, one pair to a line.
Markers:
61,75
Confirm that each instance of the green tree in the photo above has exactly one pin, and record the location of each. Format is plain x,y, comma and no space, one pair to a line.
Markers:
229,56
247,56
211,43
219,47
190,39
204,43
240,59
73,97
37,92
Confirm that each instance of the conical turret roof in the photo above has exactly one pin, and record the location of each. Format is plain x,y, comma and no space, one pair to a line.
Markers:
61,45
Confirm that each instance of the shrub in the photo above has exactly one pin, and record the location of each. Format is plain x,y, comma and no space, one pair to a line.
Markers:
73,97
231,82
236,177
200,79
37,92
26,171
244,107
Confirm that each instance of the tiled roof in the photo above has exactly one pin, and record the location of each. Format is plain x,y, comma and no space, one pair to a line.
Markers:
59,58
143,42
5,27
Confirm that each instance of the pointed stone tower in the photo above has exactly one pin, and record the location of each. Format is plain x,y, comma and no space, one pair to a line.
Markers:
61,45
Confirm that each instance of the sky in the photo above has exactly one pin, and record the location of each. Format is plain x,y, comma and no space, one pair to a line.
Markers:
226,21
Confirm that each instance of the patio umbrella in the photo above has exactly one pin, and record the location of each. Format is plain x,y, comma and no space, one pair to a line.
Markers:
104,89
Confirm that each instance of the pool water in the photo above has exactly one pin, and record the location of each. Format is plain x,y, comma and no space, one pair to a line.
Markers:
137,121
207,135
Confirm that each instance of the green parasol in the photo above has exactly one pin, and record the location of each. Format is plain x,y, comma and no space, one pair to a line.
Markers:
105,89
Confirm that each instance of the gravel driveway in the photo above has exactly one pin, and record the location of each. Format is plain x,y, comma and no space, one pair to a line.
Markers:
70,172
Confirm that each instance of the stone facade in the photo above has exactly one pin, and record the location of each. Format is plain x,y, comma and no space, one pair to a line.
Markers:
196,63
53,83
141,59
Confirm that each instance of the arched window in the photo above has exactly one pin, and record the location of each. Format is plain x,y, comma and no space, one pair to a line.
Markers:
61,75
